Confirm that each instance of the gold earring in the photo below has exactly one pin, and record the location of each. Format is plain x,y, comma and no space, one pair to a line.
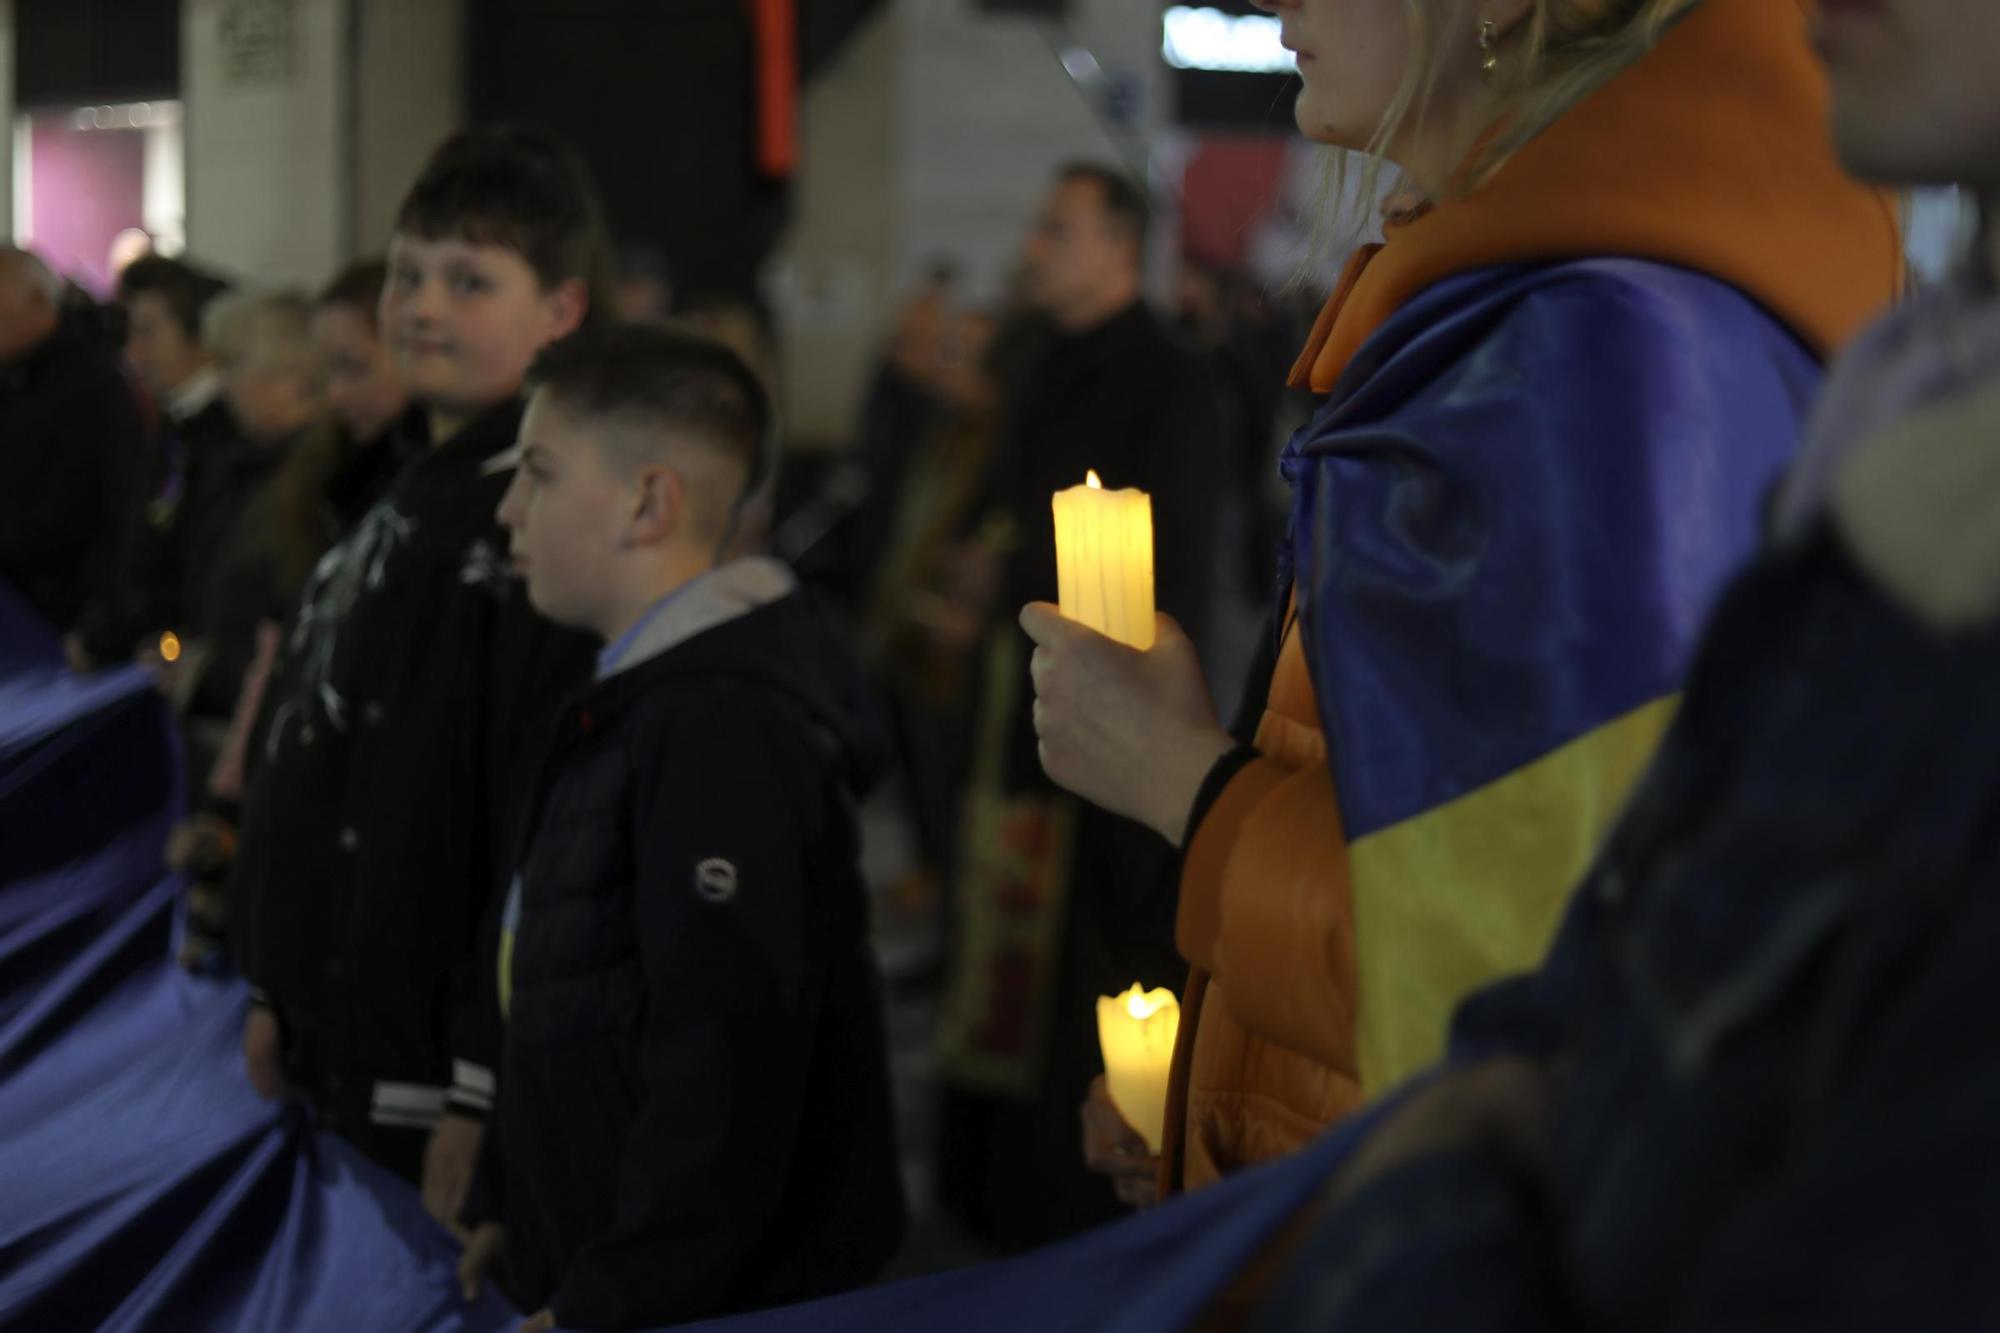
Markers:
1489,41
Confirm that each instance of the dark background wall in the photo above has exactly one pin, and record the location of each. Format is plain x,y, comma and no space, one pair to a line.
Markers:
660,98
71,51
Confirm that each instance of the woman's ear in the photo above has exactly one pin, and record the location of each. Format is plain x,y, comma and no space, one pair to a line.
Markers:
567,303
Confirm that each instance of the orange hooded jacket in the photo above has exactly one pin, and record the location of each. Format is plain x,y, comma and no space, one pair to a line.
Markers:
1710,153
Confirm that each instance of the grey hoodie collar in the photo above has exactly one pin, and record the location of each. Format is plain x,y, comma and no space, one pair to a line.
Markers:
727,592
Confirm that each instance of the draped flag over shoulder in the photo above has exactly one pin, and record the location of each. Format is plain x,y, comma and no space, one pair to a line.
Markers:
1503,587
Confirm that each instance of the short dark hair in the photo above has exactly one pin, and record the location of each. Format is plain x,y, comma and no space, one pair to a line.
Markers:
359,287
1125,202
185,289
664,380
522,189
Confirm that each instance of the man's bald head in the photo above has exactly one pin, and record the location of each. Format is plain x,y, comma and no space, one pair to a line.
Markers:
30,302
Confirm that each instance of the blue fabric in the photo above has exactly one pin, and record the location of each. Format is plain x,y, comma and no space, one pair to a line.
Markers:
142,1184
1517,508
1158,1270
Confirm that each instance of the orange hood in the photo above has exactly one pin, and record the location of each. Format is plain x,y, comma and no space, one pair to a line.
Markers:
1711,153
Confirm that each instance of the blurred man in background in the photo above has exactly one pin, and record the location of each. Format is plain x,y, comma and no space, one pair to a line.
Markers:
1054,903
70,437
196,445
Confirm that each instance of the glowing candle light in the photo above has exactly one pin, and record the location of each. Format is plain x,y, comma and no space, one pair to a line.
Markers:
1104,560
1136,1031
170,647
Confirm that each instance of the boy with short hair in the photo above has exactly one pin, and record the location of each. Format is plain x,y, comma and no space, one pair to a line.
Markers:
694,1111
400,721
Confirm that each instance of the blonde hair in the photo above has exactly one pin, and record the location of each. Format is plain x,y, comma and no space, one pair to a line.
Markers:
272,328
1563,51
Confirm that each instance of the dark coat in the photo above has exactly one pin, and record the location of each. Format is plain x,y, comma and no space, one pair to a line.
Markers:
397,733
367,471
70,448
1130,401
194,479
694,1111
266,537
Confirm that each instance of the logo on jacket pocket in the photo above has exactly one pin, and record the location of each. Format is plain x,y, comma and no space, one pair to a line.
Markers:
715,880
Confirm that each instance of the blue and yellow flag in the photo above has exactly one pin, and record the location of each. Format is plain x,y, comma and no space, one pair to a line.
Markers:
1501,588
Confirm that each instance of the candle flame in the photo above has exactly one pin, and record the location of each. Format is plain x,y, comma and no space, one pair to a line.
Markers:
170,647
1144,1004
1137,1032
1091,480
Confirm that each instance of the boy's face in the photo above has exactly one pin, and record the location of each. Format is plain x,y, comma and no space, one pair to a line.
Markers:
463,322
1915,97
162,354
569,515
362,386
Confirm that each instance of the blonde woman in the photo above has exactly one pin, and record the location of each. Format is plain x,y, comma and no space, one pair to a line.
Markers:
1555,401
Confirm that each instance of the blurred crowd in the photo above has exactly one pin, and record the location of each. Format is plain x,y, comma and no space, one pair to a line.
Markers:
183,458
1559,768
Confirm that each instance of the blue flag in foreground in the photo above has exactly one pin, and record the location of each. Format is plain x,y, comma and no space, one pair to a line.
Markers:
147,1187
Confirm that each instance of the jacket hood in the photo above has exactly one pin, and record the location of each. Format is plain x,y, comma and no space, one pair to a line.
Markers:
728,592
750,619
1711,153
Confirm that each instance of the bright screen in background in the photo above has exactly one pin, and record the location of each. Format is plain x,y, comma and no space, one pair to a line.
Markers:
1209,39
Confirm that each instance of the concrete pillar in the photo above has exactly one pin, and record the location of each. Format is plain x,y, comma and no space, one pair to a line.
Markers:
263,88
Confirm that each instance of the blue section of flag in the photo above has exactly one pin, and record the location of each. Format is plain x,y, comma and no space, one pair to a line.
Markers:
146,1185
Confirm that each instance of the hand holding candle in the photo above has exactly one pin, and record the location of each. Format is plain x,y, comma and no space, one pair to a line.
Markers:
1137,1031
1121,709
1104,560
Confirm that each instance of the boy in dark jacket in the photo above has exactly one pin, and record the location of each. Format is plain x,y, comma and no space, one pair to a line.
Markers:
402,716
693,1114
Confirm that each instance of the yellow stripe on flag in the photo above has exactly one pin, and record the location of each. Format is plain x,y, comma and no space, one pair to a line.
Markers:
1470,892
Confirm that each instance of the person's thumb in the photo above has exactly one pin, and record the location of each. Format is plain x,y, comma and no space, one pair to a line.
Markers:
472,1263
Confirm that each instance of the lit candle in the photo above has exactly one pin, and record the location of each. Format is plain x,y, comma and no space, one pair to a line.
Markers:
1136,1031
1104,560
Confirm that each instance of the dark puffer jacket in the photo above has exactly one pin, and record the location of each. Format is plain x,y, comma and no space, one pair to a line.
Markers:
694,1113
